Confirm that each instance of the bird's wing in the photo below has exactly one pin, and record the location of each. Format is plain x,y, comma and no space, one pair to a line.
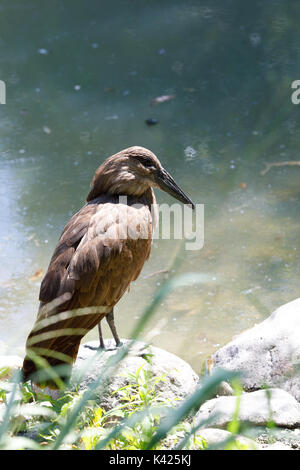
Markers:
101,250
99,239
111,253
56,281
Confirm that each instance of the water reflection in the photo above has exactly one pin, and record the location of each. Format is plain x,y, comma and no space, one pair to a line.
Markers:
80,84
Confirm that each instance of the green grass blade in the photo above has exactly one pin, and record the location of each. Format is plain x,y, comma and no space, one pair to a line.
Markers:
9,407
194,402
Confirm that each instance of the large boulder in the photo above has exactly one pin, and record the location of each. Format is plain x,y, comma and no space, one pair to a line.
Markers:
269,353
257,408
175,379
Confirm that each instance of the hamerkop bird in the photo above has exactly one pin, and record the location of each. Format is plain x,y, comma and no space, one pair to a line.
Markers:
102,249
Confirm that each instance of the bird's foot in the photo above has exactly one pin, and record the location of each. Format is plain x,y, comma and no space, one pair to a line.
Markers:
94,348
109,347
112,346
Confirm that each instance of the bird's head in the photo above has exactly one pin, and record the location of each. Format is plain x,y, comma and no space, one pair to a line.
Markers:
132,172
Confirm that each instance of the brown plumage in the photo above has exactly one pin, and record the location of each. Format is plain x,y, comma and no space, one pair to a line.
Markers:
102,249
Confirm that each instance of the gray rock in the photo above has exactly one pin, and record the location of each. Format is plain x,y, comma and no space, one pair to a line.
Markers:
255,408
224,389
276,446
178,380
269,353
217,438
44,391
2,411
9,364
277,436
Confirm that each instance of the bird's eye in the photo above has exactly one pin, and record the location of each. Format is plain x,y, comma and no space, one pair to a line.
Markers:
147,162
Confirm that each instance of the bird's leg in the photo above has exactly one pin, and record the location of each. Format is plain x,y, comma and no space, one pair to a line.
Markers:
102,345
111,323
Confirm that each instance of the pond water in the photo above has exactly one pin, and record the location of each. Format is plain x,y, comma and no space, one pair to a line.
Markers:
80,79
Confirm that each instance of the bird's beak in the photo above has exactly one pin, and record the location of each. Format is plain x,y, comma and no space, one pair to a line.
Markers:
166,183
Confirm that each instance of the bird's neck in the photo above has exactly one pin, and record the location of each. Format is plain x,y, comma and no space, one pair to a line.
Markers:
150,200
109,183
147,197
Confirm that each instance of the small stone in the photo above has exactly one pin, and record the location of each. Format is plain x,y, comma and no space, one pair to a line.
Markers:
216,438
224,389
42,391
47,130
151,122
43,51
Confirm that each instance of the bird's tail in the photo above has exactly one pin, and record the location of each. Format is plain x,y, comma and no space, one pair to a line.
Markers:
51,351
50,363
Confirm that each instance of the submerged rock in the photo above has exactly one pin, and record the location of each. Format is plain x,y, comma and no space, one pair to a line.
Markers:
269,353
257,408
175,379
151,122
